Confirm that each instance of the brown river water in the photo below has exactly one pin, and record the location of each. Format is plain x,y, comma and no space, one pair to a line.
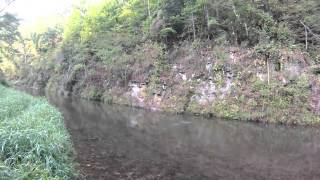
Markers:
116,142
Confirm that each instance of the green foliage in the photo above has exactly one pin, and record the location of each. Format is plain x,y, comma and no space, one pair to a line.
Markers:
167,32
106,29
73,25
92,93
107,47
48,40
107,98
77,68
267,51
273,103
220,54
34,142
226,110
108,43
161,64
279,101
9,34
110,28
284,34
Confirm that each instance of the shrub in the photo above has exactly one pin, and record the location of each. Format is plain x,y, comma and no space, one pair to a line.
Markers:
92,93
77,68
167,33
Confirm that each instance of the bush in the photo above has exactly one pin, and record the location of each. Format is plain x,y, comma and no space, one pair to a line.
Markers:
78,68
167,32
92,93
34,142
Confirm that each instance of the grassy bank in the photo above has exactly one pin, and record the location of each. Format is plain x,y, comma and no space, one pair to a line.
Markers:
34,143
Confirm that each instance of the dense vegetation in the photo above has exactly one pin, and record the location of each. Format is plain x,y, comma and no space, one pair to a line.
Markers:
233,22
241,59
34,142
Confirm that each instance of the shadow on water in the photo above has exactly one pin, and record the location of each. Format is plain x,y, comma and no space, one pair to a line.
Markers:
116,142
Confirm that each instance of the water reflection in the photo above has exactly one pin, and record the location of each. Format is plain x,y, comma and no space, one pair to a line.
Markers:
116,142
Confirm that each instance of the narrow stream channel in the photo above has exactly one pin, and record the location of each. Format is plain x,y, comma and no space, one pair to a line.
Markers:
116,142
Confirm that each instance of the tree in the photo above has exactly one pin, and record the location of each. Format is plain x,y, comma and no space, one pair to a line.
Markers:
47,41
8,30
9,34
172,11
189,12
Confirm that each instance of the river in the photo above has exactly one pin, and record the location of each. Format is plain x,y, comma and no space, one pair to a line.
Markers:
118,142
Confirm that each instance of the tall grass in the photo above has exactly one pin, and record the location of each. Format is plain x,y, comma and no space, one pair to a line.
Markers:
34,143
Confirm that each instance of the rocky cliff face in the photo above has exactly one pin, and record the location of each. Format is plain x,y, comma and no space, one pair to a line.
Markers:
229,82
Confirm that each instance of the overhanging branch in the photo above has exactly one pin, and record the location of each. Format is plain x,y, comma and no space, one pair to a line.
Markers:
6,6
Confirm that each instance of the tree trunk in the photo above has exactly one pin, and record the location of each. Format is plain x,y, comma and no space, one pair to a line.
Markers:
207,18
149,12
147,4
246,27
306,34
193,27
266,5
234,33
217,12
268,69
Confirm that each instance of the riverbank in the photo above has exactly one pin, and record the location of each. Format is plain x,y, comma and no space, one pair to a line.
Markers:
34,141
203,79
254,64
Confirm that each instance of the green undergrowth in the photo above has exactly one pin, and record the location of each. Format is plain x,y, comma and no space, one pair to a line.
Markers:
273,103
34,143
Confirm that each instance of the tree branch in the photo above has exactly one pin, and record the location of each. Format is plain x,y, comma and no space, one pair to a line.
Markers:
6,6
310,31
